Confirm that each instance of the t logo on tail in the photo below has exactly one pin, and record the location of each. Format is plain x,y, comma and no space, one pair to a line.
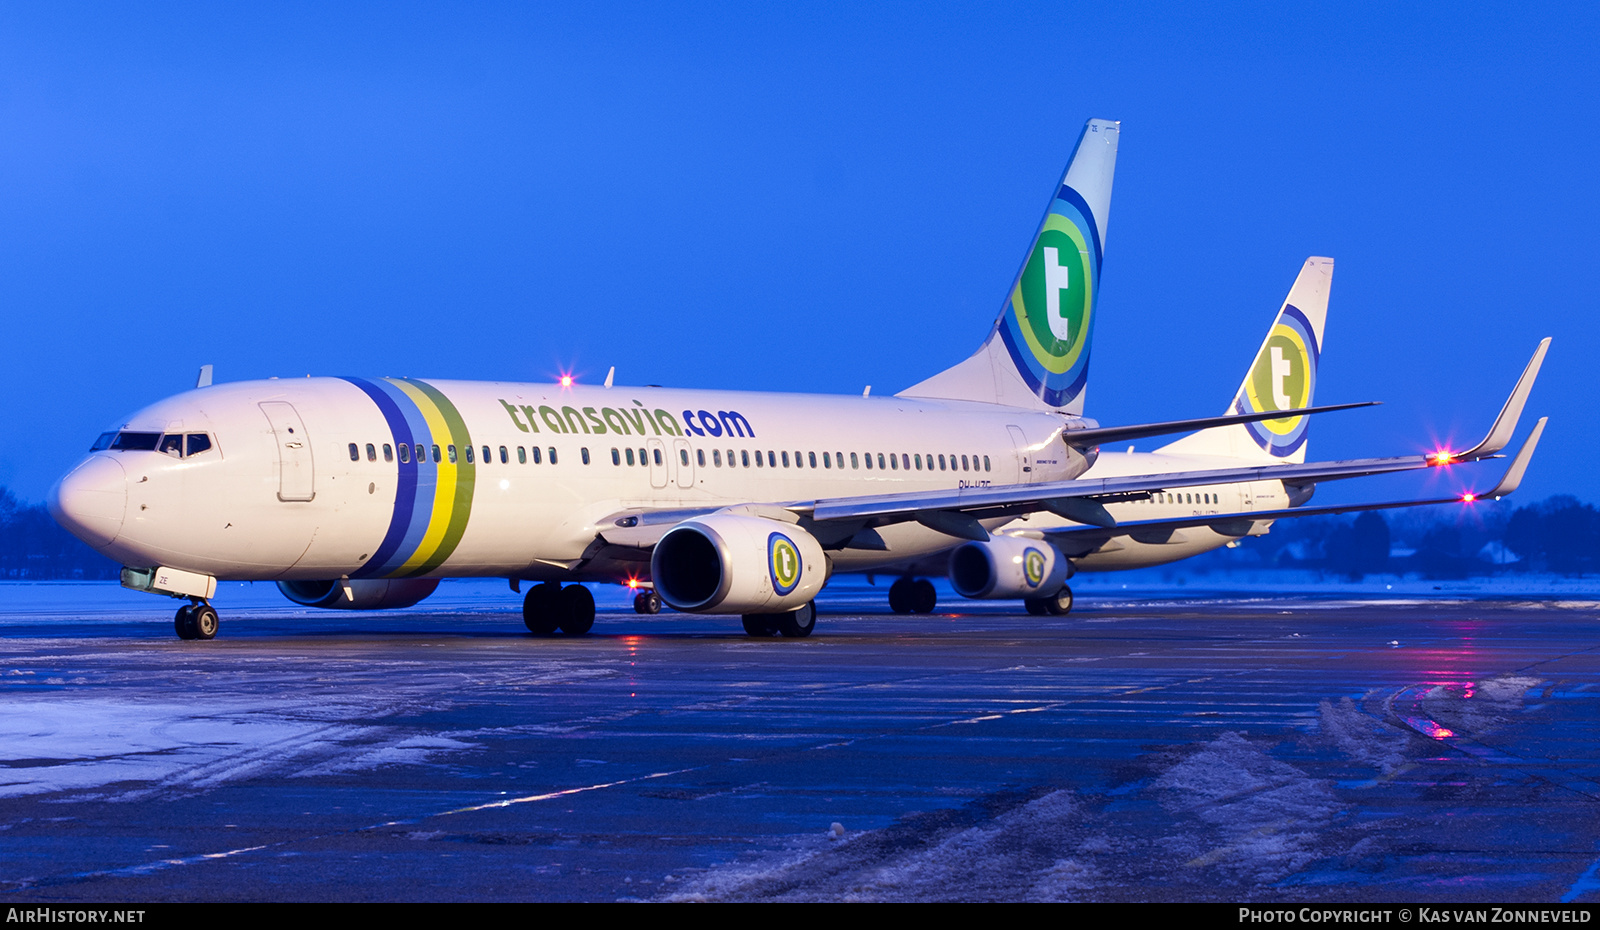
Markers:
1281,369
1057,278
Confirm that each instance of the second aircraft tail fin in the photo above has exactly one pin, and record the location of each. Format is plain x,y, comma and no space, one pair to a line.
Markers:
1283,376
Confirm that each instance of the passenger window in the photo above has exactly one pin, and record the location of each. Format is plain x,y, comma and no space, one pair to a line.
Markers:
658,457
986,463
772,459
388,452
941,463
716,456
700,456
964,464
744,457
405,455
759,462
683,456
372,452
522,454
799,460
811,459
630,456
917,460
450,449
422,453
880,461
355,453
905,461
504,458
854,462
869,461
827,460
198,442
468,451
785,460
439,458
616,457
731,459
552,456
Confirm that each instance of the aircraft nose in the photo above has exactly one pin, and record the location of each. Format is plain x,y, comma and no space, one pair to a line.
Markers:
92,500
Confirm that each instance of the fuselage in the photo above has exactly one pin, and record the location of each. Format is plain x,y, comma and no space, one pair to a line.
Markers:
380,478
1141,549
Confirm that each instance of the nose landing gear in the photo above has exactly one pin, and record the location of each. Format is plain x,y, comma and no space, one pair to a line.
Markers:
196,621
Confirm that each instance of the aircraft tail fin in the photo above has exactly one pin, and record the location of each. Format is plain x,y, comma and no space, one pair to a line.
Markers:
1283,376
1037,353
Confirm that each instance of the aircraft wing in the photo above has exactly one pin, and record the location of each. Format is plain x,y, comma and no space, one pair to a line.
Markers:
1240,524
849,521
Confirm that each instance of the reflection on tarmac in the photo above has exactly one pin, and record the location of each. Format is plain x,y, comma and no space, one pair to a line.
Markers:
1136,750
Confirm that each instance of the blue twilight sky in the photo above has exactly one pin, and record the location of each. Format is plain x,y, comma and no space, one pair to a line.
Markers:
793,197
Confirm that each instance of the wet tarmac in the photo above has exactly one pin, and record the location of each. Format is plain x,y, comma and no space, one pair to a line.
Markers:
1143,748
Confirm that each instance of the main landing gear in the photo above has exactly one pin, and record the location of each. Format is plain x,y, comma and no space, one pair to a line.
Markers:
796,624
196,621
912,596
1057,605
549,607
647,602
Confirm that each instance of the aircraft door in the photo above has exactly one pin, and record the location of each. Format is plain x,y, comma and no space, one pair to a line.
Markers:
1024,458
658,463
683,463
296,479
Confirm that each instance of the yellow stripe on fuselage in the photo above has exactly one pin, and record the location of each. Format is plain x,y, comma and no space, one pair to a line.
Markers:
444,491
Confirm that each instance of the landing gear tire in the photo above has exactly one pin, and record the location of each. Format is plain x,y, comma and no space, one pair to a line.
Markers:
577,610
759,625
1037,606
900,596
184,623
798,624
647,602
923,597
205,620
1060,604
196,621
540,608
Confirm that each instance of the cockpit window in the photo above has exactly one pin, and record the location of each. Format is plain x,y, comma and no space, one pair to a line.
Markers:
172,444
198,442
103,443
135,442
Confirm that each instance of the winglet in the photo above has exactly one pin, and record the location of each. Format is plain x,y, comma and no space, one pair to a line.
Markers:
1519,464
1506,423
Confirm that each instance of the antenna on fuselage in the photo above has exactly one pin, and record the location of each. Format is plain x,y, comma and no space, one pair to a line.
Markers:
611,374
205,377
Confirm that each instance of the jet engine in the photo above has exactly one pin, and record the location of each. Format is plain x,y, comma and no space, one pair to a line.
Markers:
369,593
737,564
1008,566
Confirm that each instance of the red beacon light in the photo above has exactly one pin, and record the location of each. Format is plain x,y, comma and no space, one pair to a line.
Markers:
566,381
1442,458
1469,497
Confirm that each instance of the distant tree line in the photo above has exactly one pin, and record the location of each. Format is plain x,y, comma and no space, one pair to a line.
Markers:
34,547
1560,535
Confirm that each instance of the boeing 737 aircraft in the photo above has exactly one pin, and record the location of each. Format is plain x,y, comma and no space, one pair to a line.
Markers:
361,493
1166,526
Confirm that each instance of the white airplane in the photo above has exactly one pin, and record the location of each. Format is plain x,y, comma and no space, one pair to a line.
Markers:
1167,525
362,493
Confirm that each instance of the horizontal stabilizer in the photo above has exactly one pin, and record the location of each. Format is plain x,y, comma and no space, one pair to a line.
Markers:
1114,434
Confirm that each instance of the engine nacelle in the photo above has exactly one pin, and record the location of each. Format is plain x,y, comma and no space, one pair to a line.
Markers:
370,593
1008,566
731,563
